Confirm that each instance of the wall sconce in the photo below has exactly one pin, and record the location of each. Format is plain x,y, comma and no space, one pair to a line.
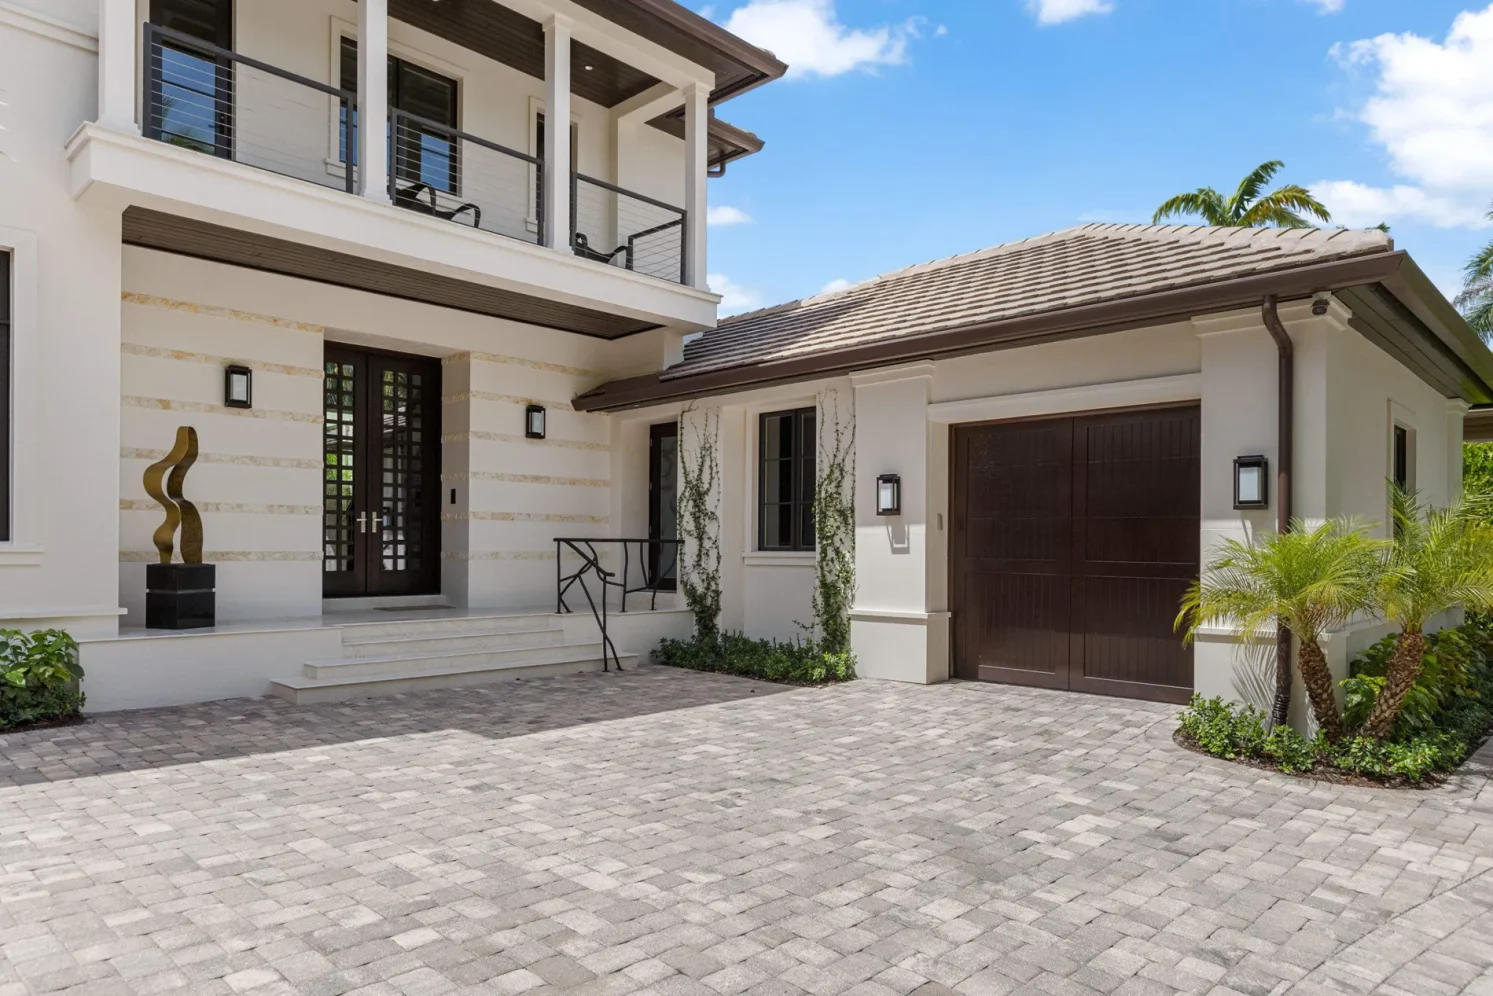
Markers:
1251,482
238,387
889,495
534,421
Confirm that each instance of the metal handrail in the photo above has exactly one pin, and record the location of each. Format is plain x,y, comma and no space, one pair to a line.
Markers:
585,548
632,240
224,97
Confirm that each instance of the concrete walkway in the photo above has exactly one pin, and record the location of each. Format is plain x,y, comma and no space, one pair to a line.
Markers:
671,832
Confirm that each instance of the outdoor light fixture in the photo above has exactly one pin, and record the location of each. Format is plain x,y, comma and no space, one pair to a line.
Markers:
1251,482
238,387
889,495
534,421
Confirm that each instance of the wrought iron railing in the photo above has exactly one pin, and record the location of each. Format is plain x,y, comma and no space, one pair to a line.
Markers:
657,564
619,227
215,101
447,173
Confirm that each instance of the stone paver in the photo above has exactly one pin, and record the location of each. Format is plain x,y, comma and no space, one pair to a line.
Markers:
678,833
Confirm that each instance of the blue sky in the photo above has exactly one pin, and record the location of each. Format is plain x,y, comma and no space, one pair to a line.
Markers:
915,129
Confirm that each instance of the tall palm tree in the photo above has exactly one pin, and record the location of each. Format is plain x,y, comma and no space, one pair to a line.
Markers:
1440,558
1249,207
1476,299
1309,580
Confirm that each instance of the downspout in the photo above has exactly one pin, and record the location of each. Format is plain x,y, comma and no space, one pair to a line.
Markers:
1285,429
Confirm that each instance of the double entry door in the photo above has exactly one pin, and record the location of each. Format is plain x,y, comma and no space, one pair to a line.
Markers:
381,476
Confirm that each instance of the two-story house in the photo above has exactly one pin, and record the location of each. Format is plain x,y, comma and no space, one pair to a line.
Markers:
415,230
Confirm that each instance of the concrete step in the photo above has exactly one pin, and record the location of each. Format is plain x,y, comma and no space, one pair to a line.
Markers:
449,625
309,691
363,667
444,643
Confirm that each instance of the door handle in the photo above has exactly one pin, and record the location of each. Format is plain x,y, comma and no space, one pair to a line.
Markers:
362,522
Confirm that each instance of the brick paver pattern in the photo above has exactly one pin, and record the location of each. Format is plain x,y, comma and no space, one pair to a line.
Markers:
670,832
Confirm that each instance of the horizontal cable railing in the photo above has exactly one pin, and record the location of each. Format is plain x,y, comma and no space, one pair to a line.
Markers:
616,226
649,566
447,173
211,100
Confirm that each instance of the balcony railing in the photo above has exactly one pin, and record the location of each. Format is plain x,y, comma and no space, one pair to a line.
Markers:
211,100
621,228
449,174
220,103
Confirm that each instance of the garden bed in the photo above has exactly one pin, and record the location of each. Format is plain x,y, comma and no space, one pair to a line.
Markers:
765,660
1447,716
39,676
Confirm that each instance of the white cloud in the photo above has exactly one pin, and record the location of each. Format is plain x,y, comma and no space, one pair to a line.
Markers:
734,297
836,285
809,36
1358,205
1432,112
1059,11
726,215
1327,6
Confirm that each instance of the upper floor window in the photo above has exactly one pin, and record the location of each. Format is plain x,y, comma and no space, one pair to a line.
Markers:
785,480
425,153
5,375
191,91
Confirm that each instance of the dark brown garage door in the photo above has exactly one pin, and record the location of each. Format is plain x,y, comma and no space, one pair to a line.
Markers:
1073,541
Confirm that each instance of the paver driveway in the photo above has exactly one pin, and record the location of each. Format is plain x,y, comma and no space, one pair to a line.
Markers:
672,832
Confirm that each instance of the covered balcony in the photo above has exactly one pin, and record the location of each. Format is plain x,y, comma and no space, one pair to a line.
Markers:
386,124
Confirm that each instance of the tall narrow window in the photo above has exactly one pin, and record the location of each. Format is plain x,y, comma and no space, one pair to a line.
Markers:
425,153
785,485
1402,467
575,141
191,87
5,299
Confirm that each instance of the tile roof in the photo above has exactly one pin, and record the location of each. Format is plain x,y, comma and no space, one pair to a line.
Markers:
1085,265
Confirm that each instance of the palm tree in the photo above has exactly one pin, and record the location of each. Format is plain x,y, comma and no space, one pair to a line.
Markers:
1476,299
1309,580
1440,558
1281,208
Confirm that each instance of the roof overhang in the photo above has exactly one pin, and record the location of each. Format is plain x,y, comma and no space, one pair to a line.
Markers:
1395,305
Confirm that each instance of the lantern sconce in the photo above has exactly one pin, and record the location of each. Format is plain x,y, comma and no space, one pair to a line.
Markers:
889,494
534,421
238,387
1251,482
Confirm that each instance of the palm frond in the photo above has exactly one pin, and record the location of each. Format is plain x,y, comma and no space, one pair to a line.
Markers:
1440,558
1285,208
1480,266
1249,188
1205,202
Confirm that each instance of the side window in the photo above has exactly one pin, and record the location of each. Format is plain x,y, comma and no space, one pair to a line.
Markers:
785,480
1402,461
5,375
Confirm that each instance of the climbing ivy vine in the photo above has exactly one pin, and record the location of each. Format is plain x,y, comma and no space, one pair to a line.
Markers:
699,518
834,525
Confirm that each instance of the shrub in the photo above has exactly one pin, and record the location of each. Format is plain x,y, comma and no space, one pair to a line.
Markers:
1291,752
769,660
1224,730
39,675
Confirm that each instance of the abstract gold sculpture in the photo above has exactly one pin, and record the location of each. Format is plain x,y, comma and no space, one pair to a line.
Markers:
179,511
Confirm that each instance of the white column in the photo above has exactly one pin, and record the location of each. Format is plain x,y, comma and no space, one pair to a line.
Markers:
119,59
696,153
373,99
557,133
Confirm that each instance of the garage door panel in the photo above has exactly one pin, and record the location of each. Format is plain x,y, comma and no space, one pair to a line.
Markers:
1018,629
1124,633
1074,540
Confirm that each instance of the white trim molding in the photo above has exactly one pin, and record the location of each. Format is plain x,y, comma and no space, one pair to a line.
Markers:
25,545
1091,397
45,26
887,375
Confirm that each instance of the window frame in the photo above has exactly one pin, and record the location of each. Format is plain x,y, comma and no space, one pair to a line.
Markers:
399,69
22,546
801,499
7,421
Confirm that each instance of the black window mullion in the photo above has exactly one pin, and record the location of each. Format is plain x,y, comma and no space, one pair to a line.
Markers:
786,446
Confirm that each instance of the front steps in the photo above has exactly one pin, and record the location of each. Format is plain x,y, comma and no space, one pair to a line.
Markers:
407,655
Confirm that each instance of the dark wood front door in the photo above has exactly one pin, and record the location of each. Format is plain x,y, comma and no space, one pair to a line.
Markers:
381,495
1073,540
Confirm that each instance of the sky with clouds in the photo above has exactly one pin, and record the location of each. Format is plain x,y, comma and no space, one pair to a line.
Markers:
909,130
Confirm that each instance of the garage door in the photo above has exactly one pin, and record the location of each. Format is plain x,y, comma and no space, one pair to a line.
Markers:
1073,541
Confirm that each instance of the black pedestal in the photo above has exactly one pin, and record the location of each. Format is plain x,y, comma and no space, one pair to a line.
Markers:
179,596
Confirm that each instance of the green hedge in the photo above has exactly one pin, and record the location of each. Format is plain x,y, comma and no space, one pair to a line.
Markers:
769,660
39,675
1445,717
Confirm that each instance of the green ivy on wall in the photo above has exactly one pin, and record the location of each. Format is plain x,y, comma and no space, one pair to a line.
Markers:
834,525
699,518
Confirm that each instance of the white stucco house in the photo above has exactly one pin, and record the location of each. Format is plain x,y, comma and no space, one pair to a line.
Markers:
429,374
